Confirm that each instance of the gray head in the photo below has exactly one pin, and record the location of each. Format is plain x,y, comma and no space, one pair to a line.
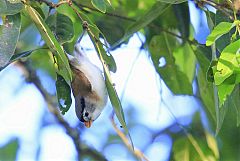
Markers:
87,111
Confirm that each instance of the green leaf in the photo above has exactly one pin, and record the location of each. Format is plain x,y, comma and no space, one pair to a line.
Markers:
100,5
173,1
221,29
9,34
9,151
185,60
157,9
225,72
63,94
61,26
8,8
161,48
49,38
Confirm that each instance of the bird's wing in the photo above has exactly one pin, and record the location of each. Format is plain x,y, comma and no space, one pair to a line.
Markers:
80,84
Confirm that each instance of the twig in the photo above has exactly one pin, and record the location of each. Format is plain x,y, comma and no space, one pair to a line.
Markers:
72,132
215,5
136,151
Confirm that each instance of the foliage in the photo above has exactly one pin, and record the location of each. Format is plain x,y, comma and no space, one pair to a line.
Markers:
177,57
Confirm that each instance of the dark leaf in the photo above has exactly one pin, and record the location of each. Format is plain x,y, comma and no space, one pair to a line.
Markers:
16,57
77,26
63,94
61,26
182,14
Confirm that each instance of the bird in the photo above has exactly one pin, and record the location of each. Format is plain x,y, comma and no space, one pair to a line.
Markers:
88,87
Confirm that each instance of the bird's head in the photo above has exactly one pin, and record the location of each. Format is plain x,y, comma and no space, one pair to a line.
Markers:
89,115
89,108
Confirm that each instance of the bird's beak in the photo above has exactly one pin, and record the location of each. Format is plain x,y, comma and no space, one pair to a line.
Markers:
88,123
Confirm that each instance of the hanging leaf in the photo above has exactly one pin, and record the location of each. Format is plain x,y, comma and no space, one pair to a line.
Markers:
9,8
9,34
161,48
100,5
227,68
61,26
63,94
52,43
221,29
77,26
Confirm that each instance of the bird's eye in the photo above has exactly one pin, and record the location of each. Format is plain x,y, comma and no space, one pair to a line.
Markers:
86,114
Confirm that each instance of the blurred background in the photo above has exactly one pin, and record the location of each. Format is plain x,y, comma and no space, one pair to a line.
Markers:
156,118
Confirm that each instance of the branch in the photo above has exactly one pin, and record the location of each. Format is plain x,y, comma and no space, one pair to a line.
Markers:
82,149
136,151
216,6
